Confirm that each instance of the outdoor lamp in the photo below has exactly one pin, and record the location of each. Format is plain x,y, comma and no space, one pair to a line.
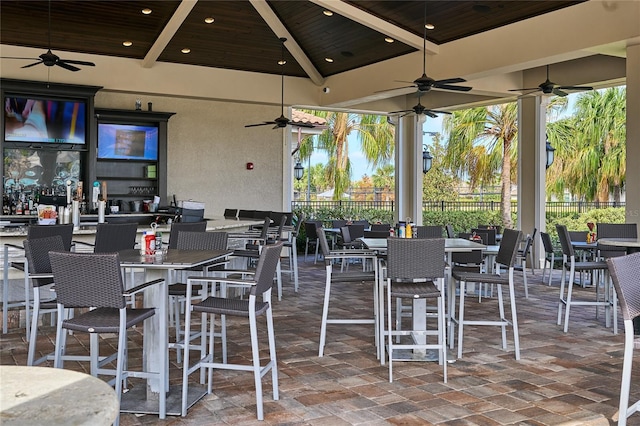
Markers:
550,155
298,171
426,160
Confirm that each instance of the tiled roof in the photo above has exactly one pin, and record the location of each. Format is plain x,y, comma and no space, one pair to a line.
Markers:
298,116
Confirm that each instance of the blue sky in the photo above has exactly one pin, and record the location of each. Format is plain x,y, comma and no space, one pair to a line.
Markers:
359,164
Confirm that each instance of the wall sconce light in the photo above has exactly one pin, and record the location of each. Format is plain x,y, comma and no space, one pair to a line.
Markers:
426,160
550,155
298,171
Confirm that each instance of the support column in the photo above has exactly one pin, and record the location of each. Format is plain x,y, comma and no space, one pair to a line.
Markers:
408,165
532,169
632,183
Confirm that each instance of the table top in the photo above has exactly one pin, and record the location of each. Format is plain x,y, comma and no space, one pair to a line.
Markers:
450,244
583,245
172,259
54,396
620,242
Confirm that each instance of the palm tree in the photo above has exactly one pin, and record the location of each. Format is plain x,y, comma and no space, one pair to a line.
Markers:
374,133
593,159
482,142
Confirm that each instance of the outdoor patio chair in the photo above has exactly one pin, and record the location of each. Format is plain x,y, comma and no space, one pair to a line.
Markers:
449,230
521,263
416,270
347,278
380,227
595,268
429,231
506,257
625,271
615,230
260,286
178,227
38,272
549,255
310,229
112,237
88,280
230,213
33,231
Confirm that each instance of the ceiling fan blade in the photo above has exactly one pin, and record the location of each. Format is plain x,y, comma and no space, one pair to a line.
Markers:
266,123
450,87
307,125
31,65
396,88
575,88
436,111
70,61
67,66
559,92
522,90
429,113
16,57
449,81
410,112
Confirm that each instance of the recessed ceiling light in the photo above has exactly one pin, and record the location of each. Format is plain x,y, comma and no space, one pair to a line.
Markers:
389,40
186,50
282,62
430,26
327,12
146,11
209,20
328,59
127,43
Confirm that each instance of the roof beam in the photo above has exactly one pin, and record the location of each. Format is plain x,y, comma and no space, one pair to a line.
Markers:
377,24
181,13
292,46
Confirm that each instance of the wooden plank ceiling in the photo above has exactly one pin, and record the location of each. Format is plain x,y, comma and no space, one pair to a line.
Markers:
240,39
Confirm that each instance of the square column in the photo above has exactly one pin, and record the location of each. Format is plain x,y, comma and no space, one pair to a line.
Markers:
632,183
532,160
408,165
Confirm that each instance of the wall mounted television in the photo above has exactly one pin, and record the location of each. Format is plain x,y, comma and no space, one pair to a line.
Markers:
127,141
44,120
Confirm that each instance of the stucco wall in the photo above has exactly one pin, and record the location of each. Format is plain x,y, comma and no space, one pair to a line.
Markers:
208,148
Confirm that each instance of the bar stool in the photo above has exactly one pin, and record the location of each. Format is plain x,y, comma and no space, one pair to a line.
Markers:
506,257
415,270
261,285
625,271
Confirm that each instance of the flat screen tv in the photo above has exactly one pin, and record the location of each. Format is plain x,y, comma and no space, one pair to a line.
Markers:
127,141
44,120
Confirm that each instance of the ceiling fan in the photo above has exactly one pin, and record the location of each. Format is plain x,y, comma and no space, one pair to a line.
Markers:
426,83
420,109
548,88
50,59
281,121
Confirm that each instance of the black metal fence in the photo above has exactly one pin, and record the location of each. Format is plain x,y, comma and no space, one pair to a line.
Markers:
560,208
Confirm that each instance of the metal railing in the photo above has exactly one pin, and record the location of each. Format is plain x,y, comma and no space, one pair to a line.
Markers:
552,207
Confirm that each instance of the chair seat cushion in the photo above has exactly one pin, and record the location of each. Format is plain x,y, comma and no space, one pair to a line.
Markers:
419,290
106,320
180,289
355,276
477,277
224,306
587,266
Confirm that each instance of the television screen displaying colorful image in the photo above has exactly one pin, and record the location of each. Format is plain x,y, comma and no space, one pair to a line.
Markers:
127,142
44,120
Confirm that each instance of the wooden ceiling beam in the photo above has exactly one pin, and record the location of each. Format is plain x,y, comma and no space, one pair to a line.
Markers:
377,24
181,13
292,46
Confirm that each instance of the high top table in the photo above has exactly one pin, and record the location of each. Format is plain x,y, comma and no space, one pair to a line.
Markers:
158,398
631,244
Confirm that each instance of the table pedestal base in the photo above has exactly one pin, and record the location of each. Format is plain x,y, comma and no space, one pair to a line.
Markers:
135,401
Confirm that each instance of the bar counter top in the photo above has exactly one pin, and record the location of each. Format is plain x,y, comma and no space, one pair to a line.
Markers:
88,225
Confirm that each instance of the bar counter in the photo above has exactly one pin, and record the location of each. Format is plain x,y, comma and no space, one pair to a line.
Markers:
15,233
